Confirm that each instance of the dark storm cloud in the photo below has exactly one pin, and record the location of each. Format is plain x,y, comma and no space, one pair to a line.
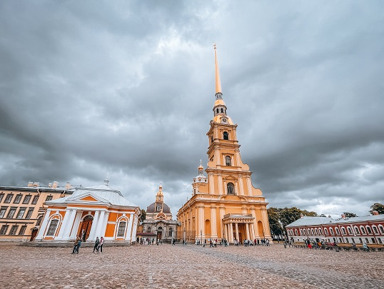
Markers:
126,90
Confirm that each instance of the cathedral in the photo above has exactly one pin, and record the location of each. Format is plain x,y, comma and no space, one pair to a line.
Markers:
224,203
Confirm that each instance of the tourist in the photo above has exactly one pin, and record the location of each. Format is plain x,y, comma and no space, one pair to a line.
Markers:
75,249
95,247
365,246
100,248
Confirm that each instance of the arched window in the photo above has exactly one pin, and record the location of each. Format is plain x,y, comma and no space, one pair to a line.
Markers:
357,231
222,110
148,229
381,229
349,230
375,230
230,189
225,135
325,231
369,230
321,232
217,110
343,230
52,227
337,231
331,231
121,230
38,222
227,160
362,230
170,232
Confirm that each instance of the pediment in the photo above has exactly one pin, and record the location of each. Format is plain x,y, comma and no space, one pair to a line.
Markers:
89,199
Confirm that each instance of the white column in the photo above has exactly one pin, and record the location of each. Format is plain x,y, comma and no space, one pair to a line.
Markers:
225,232
222,213
105,223
134,229
100,224
95,221
241,185
253,232
128,233
230,232
69,225
247,230
43,225
220,184
63,226
237,231
213,223
76,226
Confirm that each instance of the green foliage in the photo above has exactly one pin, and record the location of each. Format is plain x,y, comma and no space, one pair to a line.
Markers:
377,207
349,215
143,215
281,217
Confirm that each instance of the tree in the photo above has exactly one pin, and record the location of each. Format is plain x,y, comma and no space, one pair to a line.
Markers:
143,215
349,215
377,207
279,218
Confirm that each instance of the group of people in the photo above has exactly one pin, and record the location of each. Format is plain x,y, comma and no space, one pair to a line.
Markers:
98,246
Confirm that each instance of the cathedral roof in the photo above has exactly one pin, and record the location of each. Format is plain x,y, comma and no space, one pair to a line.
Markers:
152,208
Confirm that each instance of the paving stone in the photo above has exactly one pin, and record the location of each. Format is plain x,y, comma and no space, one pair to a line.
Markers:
189,266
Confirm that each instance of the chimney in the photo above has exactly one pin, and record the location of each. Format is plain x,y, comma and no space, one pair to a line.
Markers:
68,186
55,184
375,213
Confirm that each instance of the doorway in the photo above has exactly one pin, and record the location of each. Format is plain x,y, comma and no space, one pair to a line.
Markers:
34,233
85,228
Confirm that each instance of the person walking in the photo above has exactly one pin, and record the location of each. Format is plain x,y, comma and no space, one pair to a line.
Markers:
75,245
95,247
101,243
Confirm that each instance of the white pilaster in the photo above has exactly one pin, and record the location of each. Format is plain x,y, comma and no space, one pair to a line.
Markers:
230,232
211,184
237,231
220,184
105,223
43,225
241,185
128,233
95,221
201,230
213,223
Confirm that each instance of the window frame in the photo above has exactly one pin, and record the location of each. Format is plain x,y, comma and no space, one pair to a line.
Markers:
231,185
35,199
13,230
23,228
50,228
8,198
17,199
3,230
13,211
29,213
225,135
21,209
27,199
3,209
120,227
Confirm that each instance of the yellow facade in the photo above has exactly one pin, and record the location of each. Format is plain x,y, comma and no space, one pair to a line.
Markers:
22,209
224,205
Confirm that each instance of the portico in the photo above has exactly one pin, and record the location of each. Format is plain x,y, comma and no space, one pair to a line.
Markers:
90,213
239,227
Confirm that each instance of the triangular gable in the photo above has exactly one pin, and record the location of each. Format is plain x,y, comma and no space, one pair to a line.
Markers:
89,199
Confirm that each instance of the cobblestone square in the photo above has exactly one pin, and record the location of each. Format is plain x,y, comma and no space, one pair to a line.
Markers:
190,266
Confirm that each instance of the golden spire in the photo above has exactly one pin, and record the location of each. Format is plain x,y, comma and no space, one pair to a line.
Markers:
218,83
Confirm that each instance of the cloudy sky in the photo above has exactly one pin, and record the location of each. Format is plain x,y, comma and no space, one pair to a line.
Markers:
125,89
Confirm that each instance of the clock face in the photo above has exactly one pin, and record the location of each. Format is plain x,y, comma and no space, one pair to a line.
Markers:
224,120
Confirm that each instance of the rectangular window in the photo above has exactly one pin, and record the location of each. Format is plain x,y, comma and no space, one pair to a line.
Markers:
4,229
8,198
29,214
17,199
1,197
48,198
52,227
121,231
22,230
35,199
11,213
2,212
13,230
27,198
20,214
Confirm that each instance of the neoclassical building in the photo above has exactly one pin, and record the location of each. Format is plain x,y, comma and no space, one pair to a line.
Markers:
224,205
158,224
88,213
22,208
